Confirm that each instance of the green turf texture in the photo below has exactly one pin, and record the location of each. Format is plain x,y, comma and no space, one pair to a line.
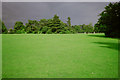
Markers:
0,56
59,56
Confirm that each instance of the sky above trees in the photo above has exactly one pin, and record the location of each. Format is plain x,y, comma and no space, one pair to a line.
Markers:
80,12
60,0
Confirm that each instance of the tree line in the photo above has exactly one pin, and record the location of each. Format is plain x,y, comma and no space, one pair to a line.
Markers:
47,26
108,23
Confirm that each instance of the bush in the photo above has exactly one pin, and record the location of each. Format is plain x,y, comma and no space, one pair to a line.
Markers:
49,31
109,20
44,29
11,31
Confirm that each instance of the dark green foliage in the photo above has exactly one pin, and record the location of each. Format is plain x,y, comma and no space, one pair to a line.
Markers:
69,22
4,29
49,31
77,28
97,28
90,28
32,27
44,29
49,26
0,27
19,28
56,21
83,28
20,31
11,31
109,20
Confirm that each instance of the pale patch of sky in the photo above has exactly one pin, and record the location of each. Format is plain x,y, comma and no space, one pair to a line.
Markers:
80,12
60,0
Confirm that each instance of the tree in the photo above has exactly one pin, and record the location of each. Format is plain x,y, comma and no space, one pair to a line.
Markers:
77,28
44,29
4,29
109,20
90,28
43,22
69,22
56,21
32,26
50,23
55,24
19,27
49,31
97,28
50,26
11,31
0,27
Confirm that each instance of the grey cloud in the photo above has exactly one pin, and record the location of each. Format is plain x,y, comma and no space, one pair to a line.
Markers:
80,12
60,0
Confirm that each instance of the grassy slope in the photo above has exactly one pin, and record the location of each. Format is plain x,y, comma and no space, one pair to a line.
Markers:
0,56
66,56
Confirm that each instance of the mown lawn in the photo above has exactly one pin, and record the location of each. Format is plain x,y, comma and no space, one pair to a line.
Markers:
0,56
59,56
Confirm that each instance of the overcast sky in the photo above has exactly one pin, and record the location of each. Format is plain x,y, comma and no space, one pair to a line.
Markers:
60,0
80,12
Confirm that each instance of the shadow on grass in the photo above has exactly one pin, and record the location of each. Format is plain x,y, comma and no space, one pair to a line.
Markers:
102,36
115,46
109,45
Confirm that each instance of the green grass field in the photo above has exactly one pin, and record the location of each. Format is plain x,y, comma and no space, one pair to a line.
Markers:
59,56
0,56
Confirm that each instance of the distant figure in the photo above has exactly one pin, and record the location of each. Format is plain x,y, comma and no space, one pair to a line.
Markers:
94,32
84,32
